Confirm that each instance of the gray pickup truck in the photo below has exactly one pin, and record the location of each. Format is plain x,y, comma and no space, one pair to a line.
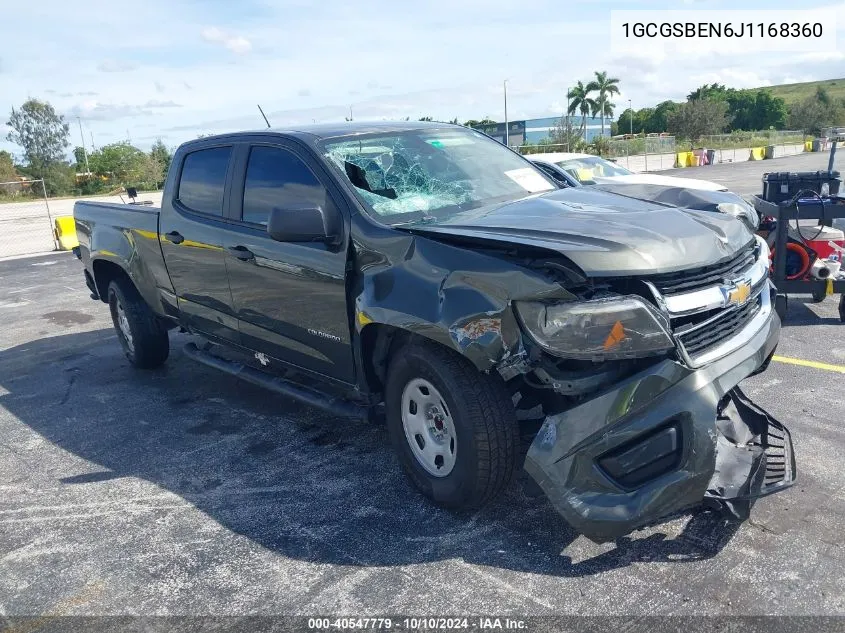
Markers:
428,275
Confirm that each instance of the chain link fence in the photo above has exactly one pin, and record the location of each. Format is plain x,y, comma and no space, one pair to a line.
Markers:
736,146
545,148
26,225
651,153
655,153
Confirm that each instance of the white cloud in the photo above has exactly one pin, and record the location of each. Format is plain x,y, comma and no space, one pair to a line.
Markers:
733,78
115,66
161,104
821,56
93,110
235,43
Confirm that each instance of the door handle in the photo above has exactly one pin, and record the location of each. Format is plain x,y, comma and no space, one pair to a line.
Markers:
174,236
241,252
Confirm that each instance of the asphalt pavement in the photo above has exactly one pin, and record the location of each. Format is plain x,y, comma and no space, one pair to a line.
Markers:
182,491
745,177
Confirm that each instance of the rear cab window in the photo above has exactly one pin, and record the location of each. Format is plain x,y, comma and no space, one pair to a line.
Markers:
203,180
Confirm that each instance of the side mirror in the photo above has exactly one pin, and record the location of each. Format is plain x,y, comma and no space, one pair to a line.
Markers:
303,223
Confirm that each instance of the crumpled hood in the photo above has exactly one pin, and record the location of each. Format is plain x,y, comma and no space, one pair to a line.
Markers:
602,233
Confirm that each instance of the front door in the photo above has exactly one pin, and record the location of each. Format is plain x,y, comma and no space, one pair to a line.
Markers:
290,298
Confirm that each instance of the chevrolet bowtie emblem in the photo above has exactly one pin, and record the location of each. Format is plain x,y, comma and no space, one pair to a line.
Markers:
736,294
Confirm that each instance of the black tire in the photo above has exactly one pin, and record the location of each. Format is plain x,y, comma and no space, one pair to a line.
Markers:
150,346
819,294
484,420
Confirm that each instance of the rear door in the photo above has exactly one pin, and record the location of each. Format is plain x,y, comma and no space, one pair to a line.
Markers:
290,298
193,224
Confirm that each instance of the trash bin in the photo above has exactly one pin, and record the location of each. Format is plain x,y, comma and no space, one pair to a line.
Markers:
781,185
817,145
770,151
711,156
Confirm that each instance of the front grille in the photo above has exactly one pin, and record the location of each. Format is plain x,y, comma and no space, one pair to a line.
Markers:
719,329
698,278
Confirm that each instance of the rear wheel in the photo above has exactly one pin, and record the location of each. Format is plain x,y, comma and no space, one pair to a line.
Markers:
453,428
142,335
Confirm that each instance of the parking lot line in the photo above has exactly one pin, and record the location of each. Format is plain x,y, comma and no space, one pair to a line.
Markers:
810,363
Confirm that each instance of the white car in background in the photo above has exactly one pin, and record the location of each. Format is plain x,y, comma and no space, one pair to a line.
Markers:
587,169
579,170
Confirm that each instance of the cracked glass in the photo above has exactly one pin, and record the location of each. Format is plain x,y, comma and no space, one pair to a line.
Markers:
431,174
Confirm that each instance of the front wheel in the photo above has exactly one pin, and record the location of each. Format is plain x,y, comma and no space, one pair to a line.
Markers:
454,429
142,335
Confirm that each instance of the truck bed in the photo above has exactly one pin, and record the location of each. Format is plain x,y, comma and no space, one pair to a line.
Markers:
126,235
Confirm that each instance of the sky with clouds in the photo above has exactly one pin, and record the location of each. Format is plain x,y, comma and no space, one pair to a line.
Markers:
174,69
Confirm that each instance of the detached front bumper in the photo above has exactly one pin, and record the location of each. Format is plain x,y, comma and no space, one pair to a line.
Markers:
663,441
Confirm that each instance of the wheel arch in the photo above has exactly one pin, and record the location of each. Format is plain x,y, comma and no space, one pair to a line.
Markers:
480,340
104,272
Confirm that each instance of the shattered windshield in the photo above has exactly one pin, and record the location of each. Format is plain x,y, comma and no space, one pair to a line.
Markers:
432,173
585,170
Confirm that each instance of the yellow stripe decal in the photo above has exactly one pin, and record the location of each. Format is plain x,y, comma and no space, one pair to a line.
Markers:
809,363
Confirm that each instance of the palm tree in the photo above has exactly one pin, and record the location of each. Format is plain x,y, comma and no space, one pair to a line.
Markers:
604,110
580,101
605,86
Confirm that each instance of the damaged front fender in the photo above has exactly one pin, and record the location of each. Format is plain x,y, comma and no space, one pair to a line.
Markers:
457,297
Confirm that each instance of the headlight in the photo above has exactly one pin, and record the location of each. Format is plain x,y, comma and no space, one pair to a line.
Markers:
741,211
618,327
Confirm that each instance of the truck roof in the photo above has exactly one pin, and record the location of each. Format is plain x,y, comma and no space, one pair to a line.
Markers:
321,131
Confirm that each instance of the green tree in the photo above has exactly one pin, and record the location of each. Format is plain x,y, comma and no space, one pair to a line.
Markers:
580,101
162,155
564,134
606,87
812,115
755,110
120,162
660,119
59,178
605,110
600,145
714,92
8,173
642,120
476,123
41,133
425,118
694,119
79,155
454,121
625,124
149,173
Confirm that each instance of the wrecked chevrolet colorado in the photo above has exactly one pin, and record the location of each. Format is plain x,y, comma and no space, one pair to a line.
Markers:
428,275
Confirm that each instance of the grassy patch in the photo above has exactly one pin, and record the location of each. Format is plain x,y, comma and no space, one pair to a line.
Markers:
792,93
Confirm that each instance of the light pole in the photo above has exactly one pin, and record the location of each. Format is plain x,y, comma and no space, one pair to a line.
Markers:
84,153
507,137
631,116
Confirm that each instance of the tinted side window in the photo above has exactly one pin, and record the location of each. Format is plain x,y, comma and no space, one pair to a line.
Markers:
203,180
277,178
